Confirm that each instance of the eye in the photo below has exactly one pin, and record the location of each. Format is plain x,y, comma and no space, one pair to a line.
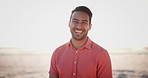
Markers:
75,22
85,23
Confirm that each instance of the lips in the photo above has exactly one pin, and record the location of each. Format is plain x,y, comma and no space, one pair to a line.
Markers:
79,31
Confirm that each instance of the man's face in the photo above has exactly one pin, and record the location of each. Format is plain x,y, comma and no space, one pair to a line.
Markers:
79,25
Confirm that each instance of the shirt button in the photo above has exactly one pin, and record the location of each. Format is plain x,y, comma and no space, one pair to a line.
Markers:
75,62
74,74
76,51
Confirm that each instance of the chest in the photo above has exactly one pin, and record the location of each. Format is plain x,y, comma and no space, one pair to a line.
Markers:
77,62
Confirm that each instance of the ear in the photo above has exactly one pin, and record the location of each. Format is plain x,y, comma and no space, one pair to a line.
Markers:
90,26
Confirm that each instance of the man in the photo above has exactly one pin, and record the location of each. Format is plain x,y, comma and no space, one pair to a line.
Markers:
80,57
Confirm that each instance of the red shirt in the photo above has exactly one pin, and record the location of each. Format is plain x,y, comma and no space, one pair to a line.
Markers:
90,61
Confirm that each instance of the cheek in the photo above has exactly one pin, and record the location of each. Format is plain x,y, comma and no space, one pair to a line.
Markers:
71,26
87,28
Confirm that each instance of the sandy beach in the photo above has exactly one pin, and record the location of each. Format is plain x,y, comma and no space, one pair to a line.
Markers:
125,65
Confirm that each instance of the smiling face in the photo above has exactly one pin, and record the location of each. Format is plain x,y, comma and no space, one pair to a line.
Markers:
79,25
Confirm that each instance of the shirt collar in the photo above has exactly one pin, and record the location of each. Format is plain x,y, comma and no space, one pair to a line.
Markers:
87,45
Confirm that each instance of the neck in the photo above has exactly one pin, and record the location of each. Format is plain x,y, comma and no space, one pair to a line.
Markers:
79,43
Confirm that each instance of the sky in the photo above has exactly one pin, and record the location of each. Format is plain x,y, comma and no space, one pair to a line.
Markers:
42,25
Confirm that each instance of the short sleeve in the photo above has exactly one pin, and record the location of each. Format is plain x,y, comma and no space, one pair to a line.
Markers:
53,69
104,69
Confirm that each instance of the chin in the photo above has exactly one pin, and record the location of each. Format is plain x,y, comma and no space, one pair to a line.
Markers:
78,39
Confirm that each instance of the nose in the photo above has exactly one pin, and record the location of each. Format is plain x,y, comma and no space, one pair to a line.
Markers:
79,25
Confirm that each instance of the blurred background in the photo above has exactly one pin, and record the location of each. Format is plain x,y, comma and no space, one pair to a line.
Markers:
30,30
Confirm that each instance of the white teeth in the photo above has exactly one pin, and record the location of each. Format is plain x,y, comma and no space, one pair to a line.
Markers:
77,31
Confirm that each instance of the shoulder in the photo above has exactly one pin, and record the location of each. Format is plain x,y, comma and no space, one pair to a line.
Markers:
98,48
61,48
101,53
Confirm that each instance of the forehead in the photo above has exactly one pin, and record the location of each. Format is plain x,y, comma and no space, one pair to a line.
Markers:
80,15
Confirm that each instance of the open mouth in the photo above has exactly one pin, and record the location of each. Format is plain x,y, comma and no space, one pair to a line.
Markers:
79,31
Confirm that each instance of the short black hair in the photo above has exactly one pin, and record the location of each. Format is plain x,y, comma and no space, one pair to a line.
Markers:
83,9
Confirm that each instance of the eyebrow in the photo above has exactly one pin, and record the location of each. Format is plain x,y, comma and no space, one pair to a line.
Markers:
78,20
84,20
74,19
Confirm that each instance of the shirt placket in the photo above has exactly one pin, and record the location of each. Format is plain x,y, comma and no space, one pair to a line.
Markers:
75,65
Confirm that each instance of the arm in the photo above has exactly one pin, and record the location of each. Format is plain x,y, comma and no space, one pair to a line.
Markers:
51,76
53,72
104,69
